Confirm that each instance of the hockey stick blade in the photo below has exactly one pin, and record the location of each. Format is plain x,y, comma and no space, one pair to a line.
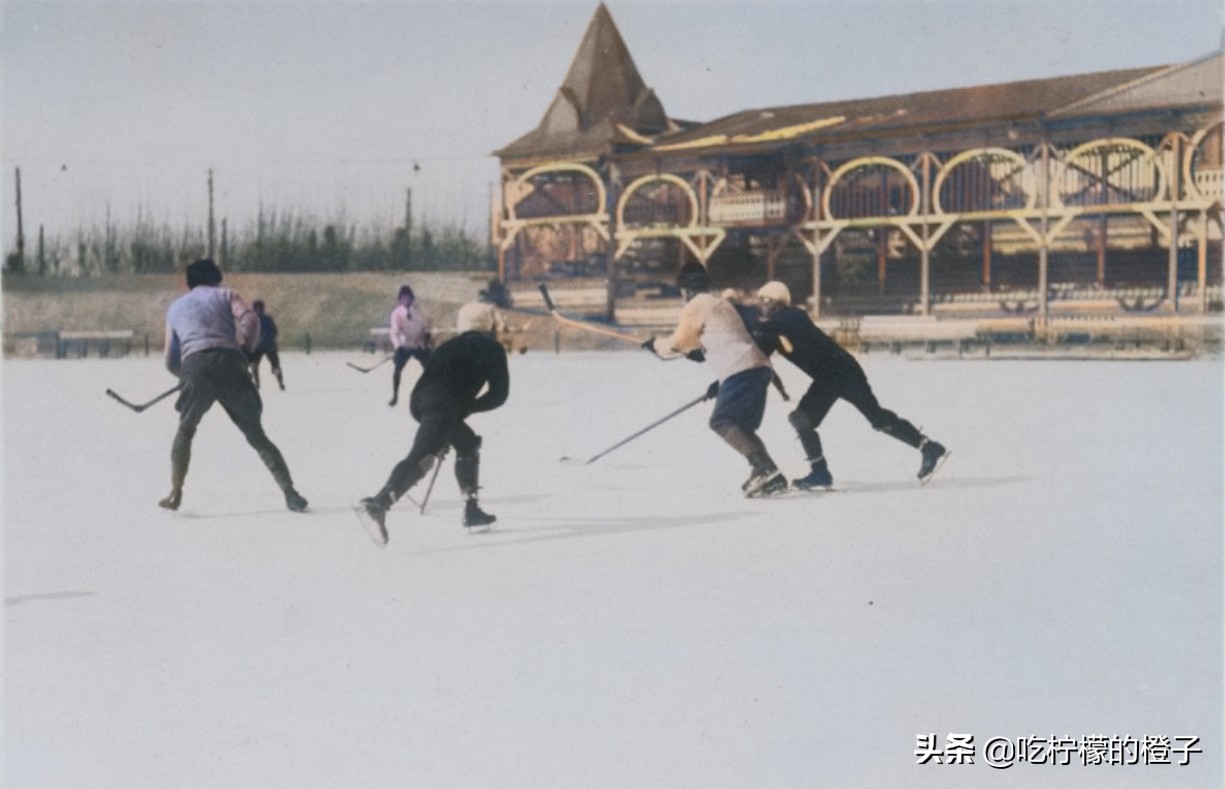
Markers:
371,367
138,407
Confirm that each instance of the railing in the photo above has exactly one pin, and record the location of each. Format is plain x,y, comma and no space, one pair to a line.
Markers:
754,207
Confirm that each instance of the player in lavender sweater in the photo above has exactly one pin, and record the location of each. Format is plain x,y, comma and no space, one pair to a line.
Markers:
209,329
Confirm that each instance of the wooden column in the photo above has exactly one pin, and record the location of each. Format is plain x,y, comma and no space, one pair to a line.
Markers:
882,255
986,278
1201,275
925,253
1043,255
818,200
1175,190
816,275
1100,243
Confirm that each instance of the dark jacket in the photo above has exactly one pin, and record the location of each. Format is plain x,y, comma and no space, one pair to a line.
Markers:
457,371
267,333
792,333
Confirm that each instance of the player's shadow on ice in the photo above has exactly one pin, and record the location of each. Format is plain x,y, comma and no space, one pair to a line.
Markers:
900,486
577,527
25,598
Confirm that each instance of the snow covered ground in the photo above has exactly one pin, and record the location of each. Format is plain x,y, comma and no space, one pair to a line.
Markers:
630,623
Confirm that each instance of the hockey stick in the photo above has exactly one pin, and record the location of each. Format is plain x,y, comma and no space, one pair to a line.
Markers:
437,467
587,326
628,439
142,406
371,367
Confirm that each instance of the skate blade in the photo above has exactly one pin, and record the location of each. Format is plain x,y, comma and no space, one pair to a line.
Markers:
814,490
948,453
376,532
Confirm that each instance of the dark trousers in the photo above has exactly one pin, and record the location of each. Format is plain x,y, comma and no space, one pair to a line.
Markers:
221,376
438,428
258,354
739,407
274,359
852,386
402,355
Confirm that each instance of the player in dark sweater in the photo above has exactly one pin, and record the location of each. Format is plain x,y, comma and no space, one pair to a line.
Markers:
266,346
835,375
446,394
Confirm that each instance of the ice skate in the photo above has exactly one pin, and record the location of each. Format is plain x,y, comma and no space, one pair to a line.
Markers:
372,514
475,517
934,455
765,483
819,477
294,501
172,501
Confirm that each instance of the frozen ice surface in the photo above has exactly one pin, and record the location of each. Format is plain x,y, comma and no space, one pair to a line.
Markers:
630,623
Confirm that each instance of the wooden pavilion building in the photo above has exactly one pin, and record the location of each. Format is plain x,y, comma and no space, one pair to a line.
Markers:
1090,194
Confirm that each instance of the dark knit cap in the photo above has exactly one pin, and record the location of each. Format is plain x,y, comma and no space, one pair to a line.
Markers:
203,272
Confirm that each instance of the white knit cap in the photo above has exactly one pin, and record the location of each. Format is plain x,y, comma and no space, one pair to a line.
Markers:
775,290
475,316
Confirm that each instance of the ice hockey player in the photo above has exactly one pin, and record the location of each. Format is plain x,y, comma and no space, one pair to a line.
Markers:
448,392
835,375
710,328
409,335
209,331
266,346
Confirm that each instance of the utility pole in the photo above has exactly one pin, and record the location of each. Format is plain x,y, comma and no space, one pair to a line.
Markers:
212,227
18,264
408,229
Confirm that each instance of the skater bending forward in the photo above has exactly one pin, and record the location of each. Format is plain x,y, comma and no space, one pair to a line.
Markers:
446,394
209,332
710,328
835,375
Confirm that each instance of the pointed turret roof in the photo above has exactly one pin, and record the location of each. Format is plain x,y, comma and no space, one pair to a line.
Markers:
602,102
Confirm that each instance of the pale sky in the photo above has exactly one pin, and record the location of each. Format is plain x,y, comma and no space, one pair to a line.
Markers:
324,107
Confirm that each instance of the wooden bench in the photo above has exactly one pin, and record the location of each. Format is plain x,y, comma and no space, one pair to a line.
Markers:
379,340
103,342
926,330
1170,331
654,313
586,300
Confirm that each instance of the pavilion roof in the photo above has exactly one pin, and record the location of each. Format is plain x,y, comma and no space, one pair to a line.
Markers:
603,101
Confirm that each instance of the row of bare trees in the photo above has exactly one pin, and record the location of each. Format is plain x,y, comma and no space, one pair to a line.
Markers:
274,241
